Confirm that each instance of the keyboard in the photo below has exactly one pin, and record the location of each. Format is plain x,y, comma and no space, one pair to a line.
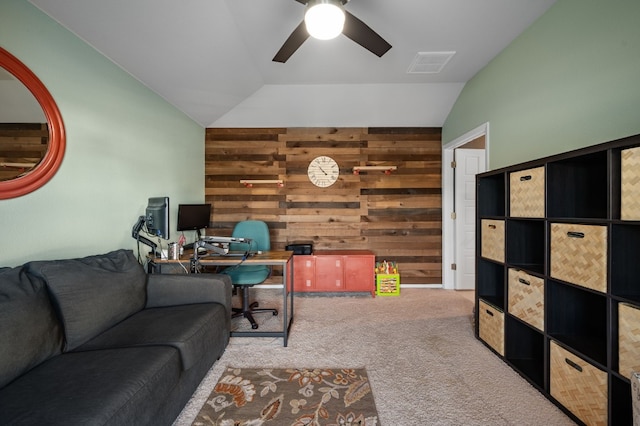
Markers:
213,239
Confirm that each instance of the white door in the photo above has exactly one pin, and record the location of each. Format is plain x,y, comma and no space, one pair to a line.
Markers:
469,162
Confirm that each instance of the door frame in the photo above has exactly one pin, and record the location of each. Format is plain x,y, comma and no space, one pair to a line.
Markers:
449,238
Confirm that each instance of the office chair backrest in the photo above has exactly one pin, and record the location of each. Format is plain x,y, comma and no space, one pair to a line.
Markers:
257,231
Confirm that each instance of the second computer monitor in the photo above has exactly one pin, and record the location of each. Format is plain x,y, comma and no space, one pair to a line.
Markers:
193,217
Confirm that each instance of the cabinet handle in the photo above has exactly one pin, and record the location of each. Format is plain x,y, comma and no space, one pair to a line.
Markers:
523,281
523,178
489,312
573,234
573,364
492,227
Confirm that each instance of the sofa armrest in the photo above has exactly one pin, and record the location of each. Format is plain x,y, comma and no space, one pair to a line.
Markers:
171,290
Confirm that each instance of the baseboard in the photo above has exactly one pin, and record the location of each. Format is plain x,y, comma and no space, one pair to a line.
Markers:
420,285
268,285
401,285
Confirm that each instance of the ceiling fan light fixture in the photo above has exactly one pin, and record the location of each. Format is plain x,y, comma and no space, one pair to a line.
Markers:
324,19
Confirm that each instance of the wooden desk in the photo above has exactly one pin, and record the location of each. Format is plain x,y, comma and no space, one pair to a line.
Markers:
269,258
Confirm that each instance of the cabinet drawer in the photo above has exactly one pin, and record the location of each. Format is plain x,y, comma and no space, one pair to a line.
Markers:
304,270
329,273
578,385
579,254
359,273
492,234
526,298
628,339
630,184
526,193
491,326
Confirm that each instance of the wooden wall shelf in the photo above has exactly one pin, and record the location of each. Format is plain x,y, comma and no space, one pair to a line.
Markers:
386,169
250,182
18,165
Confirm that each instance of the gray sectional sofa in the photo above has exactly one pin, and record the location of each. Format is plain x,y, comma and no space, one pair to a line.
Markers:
96,341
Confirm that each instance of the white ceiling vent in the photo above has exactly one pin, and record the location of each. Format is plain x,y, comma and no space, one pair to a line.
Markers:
429,62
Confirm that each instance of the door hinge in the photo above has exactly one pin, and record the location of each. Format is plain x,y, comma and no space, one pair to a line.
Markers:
453,215
454,267
453,164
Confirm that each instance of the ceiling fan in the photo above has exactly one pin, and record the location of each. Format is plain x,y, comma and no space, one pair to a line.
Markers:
353,28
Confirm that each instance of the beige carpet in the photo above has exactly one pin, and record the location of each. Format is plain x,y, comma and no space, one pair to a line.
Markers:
423,361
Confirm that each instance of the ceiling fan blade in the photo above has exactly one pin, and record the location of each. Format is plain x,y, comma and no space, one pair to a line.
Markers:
360,32
295,40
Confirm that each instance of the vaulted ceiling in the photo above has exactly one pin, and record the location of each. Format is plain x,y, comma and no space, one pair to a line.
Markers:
208,56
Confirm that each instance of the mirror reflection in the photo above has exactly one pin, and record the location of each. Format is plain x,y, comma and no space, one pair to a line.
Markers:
24,134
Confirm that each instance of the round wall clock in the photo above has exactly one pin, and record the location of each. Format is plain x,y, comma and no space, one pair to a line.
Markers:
323,171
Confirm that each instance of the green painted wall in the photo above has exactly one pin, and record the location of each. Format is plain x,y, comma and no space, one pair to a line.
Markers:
124,145
570,80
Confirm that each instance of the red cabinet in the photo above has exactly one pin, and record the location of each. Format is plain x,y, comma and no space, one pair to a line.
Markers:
334,271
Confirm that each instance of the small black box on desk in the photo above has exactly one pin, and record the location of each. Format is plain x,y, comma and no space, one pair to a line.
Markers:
300,247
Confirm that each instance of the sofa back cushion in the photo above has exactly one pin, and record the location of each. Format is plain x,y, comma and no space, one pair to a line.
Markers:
30,331
93,293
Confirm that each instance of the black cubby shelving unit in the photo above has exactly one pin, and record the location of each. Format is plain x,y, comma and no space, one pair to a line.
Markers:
580,187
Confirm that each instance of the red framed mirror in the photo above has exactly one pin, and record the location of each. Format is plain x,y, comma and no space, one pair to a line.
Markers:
47,167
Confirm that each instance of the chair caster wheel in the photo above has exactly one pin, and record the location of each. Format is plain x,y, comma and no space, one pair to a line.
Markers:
275,314
254,326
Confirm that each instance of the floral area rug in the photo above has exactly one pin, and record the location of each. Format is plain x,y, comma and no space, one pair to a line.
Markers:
290,397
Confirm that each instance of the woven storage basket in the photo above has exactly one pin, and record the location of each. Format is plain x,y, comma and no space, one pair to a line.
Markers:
492,234
628,339
579,386
579,254
526,298
526,193
491,326
630,184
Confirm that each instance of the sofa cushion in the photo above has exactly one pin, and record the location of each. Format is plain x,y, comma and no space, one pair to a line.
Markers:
192,329
93,293
30,332
110,387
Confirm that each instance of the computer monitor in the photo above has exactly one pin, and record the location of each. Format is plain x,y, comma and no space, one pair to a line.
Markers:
193,217
157,217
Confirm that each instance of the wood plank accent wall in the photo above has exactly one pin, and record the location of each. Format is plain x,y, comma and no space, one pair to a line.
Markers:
397,216
22,147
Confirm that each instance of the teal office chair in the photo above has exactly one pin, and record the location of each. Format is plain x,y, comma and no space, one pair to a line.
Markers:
246,276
